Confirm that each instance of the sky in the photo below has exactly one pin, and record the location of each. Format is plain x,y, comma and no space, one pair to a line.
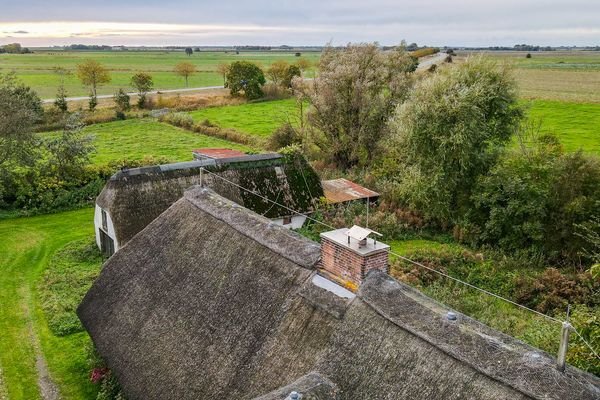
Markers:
300,22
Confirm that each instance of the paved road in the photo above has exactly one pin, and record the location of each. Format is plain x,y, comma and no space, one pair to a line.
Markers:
426,62
109,96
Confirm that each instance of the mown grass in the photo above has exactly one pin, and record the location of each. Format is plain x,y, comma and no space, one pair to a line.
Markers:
136,139
259,119
577,125
36,69
27,247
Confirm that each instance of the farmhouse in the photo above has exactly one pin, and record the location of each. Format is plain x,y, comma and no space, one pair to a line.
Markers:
132,198
214,301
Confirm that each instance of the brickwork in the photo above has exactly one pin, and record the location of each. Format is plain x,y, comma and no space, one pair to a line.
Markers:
348,265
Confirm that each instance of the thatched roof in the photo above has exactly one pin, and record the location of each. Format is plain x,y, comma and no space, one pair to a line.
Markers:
212,301
135,197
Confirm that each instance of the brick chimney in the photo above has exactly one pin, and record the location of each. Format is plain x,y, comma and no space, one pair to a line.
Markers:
347,255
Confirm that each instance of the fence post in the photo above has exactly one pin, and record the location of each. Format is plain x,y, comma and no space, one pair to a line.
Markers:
563,347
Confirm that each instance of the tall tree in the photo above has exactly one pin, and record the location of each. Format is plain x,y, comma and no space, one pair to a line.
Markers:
246,77
20,109
185,70
93,74
143,83
352,97
448,133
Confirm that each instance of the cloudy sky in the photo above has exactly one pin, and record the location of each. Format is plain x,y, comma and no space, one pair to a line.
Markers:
303,22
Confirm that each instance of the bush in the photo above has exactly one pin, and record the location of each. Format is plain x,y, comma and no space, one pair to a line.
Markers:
534,200
179,119
528,55
122,101
283,136
247,78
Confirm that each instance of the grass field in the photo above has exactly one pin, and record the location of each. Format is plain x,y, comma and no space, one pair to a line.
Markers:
135,139
28,245
36,69
553,75
259,119
577,125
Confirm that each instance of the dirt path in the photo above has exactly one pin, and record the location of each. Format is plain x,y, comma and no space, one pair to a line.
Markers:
48,389
3,395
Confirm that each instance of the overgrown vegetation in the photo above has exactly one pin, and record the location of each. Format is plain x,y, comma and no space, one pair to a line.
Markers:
67,278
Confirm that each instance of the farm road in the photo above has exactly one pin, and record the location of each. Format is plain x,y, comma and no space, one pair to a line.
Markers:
109,96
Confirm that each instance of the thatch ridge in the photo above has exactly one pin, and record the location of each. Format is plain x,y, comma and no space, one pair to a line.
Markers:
312,386
282,241
526,369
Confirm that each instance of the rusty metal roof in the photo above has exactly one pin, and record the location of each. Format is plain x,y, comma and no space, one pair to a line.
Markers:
342,190
218,153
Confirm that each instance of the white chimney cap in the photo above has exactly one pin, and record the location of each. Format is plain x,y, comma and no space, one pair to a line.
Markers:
360,233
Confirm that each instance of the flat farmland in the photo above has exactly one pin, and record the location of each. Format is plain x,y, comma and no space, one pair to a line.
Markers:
38,70
572,76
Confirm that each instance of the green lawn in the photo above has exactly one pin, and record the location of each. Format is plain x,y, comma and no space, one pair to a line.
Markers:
36,69
259,119
28,245
576,124
135,139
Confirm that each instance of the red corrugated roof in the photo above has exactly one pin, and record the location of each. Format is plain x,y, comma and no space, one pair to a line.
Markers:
342,190
219,153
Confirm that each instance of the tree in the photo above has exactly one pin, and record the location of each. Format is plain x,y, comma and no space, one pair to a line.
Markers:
223,69
189,51
70,152
93,74
448,133
20,110
352,98
143,83
122,101
291,72
185,70
61,94
61,99
244,76
303,64
13,48
277,71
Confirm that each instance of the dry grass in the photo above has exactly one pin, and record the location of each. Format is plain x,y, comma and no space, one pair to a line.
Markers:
577,86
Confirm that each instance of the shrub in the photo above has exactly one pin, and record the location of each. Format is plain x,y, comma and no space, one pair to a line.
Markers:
534,200
179,119
271,91
122,100
553,290
247,78
528,55
283,136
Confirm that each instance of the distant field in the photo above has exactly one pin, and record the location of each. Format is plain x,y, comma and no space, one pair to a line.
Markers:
554,75
576,124
136,138
36,69
259,119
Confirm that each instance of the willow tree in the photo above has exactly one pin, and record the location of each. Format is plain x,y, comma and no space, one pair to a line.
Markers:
355,92
448,133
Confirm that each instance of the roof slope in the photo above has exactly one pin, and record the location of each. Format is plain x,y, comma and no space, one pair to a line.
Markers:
135,197
213,301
